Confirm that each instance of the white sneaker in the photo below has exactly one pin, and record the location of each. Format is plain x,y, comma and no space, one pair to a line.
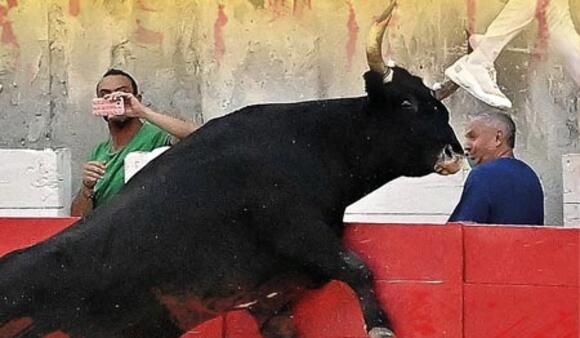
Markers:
479,81
474,40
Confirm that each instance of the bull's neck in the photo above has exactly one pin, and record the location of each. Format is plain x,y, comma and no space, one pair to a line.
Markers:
366,167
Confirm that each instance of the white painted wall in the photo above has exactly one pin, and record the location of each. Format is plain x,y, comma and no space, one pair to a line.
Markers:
571,184
35,182
429,199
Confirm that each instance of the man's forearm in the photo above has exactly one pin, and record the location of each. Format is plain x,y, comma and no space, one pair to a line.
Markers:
83,203
174,126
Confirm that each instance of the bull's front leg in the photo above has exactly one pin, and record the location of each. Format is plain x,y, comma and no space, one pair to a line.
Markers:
357,275
322,254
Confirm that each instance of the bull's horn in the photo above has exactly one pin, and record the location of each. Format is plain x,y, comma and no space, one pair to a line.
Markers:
375,41
444,90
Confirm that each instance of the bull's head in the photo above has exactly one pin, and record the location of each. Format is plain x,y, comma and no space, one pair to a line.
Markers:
426,139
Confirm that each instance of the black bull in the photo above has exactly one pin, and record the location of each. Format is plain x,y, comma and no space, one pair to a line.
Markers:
248,210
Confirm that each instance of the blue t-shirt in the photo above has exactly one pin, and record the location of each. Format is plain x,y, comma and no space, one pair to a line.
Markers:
502,191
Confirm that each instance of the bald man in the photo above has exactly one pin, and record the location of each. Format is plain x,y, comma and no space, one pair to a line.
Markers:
500,189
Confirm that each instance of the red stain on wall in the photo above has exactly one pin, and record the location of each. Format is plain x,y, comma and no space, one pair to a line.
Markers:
145,7
218,26
281,8
300,6
277,6
471,9
8,37
543,29
145,35
11,3
353,29
74,7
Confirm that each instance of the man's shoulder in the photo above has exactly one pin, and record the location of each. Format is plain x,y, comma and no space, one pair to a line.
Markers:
151,135
491,170
514,164
503,169
485,169
501,164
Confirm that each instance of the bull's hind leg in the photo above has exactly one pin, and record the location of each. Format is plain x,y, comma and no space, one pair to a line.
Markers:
273,304
280,325
320,251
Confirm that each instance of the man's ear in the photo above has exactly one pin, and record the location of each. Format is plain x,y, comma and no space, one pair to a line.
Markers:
499,137
139,97
375,87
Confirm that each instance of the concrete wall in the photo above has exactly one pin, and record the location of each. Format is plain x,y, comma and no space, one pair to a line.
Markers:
200,59
571,179
429,199
35,182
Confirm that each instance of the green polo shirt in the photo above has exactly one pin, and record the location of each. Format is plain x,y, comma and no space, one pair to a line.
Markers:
149,137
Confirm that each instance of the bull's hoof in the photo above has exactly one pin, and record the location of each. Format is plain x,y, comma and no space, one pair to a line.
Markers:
381,332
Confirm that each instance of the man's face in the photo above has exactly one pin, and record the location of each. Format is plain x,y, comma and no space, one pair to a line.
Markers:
111,84
481,141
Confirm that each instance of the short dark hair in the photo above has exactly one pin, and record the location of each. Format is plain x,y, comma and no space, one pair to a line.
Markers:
114,71
500,120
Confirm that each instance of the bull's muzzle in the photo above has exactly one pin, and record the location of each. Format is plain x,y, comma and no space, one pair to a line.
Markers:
448,161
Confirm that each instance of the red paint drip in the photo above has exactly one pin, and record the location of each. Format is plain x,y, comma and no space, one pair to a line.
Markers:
353,29
471,10
144,7
300,6
74,7
219,44
145,35
8,37
277,6
543,29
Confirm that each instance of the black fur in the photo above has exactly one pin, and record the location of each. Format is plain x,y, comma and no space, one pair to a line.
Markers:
250,197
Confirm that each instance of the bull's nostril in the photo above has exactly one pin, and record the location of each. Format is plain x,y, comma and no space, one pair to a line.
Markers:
448,151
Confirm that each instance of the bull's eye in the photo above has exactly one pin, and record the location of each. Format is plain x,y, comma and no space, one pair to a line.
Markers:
406,104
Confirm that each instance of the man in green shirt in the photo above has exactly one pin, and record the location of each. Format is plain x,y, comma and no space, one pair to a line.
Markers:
139,129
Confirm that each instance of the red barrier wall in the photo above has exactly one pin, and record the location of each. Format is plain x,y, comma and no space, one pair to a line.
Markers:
435,280
18,233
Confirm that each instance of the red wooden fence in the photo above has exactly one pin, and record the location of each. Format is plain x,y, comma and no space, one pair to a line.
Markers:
435,280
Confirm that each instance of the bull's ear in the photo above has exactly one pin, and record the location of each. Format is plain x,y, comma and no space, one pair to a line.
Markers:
375,87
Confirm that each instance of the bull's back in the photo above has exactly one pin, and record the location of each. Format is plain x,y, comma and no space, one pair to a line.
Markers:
190,212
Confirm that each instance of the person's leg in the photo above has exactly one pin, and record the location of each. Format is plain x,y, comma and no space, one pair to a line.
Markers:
475,72
512,19
563,37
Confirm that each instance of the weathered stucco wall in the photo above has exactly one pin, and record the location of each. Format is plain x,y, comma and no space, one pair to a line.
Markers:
203,58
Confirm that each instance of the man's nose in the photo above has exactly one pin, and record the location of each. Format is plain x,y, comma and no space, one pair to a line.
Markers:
467,148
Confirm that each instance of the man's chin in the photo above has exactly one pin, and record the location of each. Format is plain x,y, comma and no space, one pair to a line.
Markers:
471,160
119,120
